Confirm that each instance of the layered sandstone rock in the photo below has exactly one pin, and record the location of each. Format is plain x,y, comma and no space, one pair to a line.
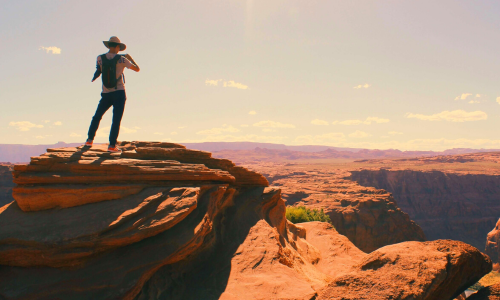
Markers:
162,222
411,270
67,177
493,245
369,217
6,183
462,207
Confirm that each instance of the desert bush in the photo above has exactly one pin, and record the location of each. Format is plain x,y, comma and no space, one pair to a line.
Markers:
489,279
300,214
476,287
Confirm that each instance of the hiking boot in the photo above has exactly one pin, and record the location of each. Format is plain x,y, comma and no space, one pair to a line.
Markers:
89,143
114,149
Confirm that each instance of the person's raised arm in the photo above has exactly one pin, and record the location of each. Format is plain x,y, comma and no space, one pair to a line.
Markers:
134,65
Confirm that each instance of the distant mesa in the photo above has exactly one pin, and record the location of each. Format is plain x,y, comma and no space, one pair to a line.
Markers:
17,153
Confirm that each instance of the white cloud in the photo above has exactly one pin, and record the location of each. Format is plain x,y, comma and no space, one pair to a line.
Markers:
244,125
181,127
474,102
319,122
215,131
232,83
46,121
212,82
58,123
229,83
272,124
359,134
478,95
39,137
332,137
463,96
52,49
158,133
127,130
394,133
367,121
74,134
24,125
498,100
363,86
252,112
451,116
268,130
173,133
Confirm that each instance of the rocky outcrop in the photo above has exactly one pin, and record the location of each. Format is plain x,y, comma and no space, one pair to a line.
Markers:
369,217
487,293
446,205
67,177
493,246
6,184
210,231
411,270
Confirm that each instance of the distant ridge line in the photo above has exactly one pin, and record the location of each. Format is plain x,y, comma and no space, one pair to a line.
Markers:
19,153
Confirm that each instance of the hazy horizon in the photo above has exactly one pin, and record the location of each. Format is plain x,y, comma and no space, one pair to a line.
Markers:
365,74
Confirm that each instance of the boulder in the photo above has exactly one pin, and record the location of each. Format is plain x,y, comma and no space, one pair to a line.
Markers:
435,270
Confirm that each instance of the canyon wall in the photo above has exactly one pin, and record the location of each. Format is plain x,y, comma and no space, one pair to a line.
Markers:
159,221
369,217
6,183
445,205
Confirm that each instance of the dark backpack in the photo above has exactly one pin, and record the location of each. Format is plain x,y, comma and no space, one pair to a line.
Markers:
108,71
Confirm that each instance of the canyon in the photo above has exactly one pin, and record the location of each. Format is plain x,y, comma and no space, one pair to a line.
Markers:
449,196
160,221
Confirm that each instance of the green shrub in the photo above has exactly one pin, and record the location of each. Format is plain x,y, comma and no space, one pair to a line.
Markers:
476,287
489,279
300,214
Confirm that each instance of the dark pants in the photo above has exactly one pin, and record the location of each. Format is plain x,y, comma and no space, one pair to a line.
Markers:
117,100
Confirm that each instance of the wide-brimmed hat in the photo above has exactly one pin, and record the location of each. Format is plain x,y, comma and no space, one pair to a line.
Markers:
116,40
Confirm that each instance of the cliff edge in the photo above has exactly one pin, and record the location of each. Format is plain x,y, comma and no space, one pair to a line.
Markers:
160,221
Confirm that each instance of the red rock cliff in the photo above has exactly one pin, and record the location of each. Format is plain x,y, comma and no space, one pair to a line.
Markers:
369,217
446,206
159,221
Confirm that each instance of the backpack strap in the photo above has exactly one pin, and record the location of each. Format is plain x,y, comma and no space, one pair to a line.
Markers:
115,61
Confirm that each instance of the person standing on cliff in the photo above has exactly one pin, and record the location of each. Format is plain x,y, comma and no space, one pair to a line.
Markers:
111,66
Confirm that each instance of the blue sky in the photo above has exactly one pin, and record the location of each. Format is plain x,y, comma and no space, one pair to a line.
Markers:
412,75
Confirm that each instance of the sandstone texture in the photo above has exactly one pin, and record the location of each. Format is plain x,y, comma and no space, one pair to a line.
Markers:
369,217
6,184
462,207
411,270
66,177
487,293
493,246
159,221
